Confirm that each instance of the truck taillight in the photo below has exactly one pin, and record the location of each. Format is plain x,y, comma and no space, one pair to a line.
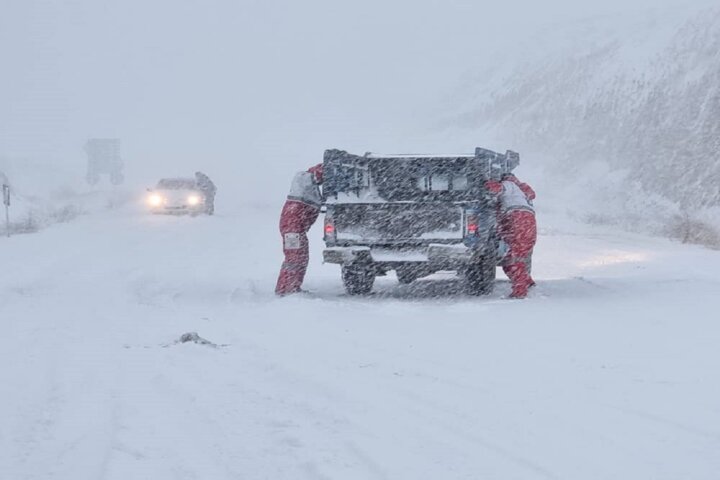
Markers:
471,224
329,230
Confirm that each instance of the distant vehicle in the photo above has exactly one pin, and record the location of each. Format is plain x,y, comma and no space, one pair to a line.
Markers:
415,214
104,159
177,196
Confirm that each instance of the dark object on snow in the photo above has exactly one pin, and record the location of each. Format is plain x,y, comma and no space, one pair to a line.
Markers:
195,338
415,214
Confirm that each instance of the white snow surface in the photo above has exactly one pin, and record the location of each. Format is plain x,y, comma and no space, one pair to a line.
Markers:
608,369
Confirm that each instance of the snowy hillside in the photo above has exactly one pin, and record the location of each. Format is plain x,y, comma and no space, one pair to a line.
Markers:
639,94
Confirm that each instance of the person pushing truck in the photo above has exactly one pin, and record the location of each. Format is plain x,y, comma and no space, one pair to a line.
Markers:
298,215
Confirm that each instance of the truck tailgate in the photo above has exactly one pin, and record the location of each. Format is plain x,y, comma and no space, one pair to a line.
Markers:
397,222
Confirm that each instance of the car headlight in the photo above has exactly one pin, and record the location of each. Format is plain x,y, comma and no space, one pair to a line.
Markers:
155,200
193,200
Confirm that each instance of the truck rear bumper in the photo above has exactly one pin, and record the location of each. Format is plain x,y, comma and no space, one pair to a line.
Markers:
435,254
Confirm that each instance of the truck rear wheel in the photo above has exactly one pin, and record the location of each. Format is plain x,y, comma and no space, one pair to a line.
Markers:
480,276
357,279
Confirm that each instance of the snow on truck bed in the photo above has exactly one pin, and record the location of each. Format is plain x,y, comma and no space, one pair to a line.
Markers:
608,370
420,155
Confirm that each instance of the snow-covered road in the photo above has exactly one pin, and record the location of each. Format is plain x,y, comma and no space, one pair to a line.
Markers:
610,370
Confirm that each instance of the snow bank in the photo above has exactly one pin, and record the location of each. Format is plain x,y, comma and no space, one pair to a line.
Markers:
43,194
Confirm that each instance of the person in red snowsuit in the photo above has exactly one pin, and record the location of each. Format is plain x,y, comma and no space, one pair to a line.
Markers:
299,213
517,228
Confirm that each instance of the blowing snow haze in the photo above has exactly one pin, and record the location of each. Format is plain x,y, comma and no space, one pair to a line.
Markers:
246,89
426,324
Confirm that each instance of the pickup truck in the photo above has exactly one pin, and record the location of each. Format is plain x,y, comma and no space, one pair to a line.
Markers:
414,214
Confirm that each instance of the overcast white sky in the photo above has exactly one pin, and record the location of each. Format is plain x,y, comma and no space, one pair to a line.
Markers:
224,84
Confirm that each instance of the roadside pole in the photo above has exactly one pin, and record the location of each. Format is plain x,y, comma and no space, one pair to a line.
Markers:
6,202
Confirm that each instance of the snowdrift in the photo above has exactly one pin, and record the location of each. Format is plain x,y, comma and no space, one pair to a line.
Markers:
43,194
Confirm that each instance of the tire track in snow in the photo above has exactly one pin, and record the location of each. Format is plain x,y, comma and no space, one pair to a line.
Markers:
251,412
689,429
420,411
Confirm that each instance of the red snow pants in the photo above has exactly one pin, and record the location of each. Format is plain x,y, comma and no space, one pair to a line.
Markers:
295,221
519,230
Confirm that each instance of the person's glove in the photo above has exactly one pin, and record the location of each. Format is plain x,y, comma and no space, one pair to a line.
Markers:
493,187
317,172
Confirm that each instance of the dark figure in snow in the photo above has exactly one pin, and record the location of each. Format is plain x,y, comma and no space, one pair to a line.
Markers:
518,229
208,189
299,213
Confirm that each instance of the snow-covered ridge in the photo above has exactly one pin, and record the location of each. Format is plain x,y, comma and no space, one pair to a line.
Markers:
636,93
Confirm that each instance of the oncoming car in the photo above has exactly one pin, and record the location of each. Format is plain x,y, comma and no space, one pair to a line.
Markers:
176,195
